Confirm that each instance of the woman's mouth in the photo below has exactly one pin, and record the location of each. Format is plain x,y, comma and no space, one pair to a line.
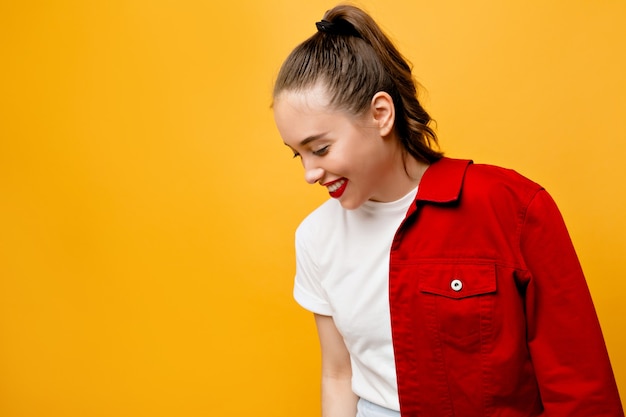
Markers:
337,187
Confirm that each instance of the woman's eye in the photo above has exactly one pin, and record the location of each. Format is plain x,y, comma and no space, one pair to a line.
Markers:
321,151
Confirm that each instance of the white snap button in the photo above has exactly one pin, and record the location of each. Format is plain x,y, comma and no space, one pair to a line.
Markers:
456,285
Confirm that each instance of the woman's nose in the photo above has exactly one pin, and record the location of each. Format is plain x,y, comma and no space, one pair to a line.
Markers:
313,174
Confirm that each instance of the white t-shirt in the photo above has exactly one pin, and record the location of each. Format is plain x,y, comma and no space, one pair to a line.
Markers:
342,270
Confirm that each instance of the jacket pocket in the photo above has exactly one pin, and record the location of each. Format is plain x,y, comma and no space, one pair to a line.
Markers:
458,300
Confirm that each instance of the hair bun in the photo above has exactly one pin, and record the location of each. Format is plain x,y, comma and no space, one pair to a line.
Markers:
340,27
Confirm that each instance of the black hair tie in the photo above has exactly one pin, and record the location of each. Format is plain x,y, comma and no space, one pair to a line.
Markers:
340,27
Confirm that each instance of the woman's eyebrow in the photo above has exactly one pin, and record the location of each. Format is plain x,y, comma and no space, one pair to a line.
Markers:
312,138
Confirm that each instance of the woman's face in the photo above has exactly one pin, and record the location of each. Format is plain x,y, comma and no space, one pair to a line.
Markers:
343,152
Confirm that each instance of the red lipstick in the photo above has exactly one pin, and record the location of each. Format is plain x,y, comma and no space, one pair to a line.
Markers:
337,187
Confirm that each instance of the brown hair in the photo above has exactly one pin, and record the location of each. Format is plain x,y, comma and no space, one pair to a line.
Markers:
353,58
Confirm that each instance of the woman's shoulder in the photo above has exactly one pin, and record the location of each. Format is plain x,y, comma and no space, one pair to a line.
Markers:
493,174
488,173
323,219
496,182
450,179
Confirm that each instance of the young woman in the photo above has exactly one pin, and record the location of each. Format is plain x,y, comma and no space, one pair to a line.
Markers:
439,287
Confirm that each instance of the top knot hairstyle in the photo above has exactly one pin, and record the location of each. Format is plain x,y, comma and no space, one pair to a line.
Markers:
353,59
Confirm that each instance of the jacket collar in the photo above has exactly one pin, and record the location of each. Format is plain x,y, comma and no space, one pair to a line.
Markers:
443,181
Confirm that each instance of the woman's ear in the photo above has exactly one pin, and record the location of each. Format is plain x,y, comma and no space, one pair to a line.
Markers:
384,112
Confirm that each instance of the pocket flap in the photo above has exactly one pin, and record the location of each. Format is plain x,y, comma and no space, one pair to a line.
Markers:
457,280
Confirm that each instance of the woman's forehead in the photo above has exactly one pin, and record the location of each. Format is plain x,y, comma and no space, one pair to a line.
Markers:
314,97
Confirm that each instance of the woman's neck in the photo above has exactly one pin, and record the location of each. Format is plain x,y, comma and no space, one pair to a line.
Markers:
404,175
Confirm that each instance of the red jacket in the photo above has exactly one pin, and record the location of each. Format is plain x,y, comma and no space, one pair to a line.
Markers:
490,311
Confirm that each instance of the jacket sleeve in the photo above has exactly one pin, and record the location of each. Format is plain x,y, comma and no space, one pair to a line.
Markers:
564,336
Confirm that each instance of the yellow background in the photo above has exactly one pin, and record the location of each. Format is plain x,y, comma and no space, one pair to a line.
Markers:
147,205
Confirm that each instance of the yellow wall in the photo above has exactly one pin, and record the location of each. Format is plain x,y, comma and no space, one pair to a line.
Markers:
147,205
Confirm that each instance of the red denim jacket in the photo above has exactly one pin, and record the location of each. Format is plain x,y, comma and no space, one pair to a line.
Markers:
490,311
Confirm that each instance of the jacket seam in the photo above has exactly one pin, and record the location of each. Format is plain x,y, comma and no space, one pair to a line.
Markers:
523,216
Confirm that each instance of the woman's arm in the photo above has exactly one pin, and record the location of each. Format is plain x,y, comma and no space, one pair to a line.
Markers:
564,336
338,400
